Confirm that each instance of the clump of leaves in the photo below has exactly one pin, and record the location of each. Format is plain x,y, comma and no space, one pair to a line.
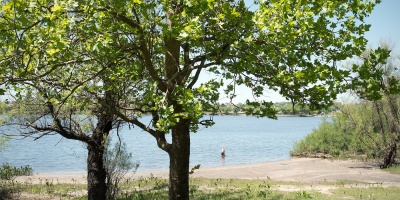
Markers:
8,172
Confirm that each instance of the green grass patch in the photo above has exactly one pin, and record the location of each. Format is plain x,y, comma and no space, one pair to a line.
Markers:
209,189
367,193
394,169
47,188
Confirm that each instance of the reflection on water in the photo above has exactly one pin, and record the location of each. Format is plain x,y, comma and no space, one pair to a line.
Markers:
223,160
254,140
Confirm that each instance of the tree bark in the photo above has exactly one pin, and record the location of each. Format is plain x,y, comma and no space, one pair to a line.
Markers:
97,187
389,156
179,161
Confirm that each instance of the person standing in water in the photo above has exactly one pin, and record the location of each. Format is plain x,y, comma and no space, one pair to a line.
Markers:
223,156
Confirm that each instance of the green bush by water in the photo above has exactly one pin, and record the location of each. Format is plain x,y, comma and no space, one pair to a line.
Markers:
8,172
341,137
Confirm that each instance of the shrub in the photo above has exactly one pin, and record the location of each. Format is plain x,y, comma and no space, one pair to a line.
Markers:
8,172
118,162
351,133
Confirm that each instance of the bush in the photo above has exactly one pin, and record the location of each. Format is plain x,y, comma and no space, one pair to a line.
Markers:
118,162
8,190
351,134
8,172
327,140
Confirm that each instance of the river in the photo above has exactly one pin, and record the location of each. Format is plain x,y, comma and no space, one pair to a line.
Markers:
247,140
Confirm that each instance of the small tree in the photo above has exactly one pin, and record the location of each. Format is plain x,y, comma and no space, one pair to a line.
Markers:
118,162
378,83
68,107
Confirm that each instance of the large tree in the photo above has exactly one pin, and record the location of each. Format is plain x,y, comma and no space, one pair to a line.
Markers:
155,51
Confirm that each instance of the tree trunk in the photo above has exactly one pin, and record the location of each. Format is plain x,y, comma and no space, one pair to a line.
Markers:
96,174
179,162
389,156
97,186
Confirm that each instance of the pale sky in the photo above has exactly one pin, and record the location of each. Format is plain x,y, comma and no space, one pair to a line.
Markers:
385,25
385,21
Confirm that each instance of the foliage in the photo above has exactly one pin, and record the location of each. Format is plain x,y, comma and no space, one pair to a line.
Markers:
342,136
281,108
8,188
9,191
326,140
290,109
372,126
378,83
117,163
129,58
3,142
4,106
284,46
9,172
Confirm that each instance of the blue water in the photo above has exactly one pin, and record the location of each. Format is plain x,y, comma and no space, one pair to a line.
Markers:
246,140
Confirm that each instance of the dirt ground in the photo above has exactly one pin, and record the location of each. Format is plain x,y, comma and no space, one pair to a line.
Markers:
307,170
314,172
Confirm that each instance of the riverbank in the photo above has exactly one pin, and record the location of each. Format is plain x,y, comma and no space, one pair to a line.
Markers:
305,170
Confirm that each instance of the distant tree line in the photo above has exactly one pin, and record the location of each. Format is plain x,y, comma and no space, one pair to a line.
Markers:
281,108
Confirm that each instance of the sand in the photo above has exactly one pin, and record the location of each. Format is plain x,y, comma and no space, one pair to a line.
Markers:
307,170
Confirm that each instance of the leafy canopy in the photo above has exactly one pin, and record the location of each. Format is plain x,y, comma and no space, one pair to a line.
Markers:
152,52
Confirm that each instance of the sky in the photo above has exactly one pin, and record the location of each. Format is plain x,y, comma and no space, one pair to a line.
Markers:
385,25
385,21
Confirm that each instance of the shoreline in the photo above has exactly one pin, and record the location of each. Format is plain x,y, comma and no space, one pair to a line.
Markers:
307,170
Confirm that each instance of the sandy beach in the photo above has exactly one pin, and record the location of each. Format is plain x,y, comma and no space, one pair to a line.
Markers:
308,170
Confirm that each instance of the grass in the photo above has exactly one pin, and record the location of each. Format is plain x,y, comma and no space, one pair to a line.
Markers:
395,169
378,193
46,189
208,189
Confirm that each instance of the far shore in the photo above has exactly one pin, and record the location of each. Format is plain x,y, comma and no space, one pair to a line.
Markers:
308,170
278,115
